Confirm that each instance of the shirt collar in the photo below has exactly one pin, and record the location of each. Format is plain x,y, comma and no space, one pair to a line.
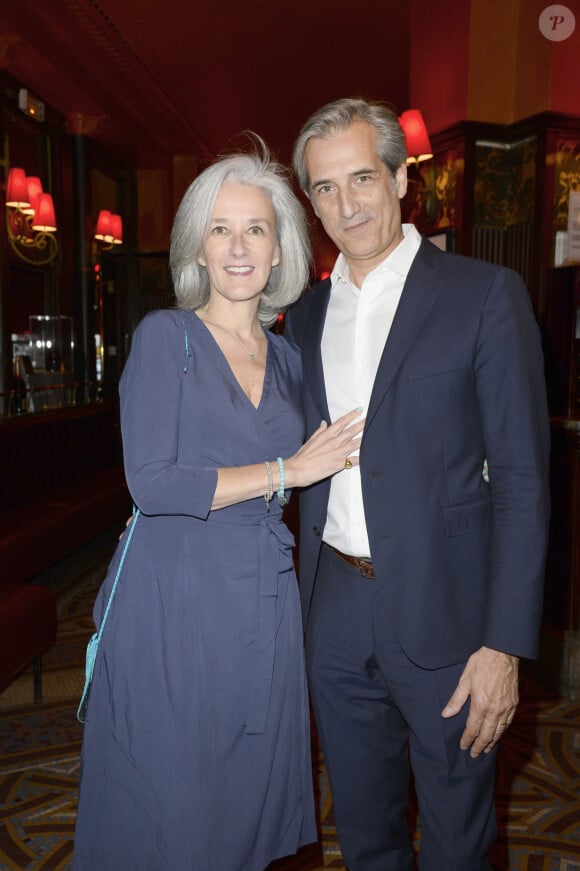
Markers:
398,261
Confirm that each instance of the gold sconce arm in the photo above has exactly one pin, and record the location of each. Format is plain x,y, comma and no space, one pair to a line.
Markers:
36,247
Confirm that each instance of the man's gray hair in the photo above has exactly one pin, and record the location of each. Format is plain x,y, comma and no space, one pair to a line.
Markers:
338,116
193,219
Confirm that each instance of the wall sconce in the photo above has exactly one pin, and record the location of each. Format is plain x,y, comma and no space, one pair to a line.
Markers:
109,230
417,205
31,221
108,233
418,145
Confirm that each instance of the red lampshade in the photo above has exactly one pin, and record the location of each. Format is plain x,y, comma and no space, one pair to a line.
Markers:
17,189
34,189
103,229
418,145
44,217
117,229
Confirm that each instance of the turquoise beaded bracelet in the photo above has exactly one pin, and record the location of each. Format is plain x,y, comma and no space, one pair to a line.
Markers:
280,494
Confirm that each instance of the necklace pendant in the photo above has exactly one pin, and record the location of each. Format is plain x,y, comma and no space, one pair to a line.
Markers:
252,357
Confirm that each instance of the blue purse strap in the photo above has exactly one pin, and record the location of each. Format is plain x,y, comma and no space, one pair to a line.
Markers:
93,645
118,574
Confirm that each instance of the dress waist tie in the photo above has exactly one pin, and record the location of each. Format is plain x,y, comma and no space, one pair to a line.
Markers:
275,557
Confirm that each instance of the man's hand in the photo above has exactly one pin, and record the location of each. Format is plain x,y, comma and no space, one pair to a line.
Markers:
490,678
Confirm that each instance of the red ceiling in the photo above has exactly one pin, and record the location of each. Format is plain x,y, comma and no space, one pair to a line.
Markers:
153,79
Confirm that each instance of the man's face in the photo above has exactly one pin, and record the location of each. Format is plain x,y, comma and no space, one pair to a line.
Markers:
355,196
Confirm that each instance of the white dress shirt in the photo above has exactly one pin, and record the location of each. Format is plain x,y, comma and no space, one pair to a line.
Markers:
356,329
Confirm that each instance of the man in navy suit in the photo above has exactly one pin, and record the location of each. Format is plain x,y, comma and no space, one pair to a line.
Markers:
421,579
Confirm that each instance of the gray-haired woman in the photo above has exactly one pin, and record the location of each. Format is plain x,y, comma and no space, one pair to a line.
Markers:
196,745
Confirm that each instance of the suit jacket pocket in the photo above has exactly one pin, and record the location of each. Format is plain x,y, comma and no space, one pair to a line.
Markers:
441,366
467,517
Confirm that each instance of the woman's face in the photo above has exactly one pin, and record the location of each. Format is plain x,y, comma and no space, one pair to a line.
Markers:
241,247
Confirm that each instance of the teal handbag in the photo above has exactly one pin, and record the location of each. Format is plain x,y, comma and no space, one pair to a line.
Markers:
93,644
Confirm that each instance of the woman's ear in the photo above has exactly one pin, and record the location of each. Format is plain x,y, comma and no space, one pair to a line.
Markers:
276,258
201,261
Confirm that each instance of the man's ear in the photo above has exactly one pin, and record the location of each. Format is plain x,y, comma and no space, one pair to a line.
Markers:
401,181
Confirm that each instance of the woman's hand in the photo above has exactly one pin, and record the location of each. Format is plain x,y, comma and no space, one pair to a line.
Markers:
326,451
324,454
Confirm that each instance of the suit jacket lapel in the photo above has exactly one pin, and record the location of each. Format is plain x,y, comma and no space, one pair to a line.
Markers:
419,295
311,350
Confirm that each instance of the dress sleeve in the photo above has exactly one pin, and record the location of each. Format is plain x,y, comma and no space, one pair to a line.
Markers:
151,390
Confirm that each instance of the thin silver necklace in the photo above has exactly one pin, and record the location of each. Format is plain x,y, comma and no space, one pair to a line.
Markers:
251,354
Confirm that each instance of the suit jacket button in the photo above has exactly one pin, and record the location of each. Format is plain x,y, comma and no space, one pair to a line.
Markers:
317,531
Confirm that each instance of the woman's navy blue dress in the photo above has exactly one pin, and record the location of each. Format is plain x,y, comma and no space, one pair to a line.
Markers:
196,751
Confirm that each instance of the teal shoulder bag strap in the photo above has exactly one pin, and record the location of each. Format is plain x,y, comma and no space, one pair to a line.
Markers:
93,644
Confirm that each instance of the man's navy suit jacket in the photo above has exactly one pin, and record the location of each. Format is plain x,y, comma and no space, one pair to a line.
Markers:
461,380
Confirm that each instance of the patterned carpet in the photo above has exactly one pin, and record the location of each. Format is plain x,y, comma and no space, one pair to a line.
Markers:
538,789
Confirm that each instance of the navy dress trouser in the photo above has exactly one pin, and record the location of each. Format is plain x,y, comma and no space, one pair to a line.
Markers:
375,710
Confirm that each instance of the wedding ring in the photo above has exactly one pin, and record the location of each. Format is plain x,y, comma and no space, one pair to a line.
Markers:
347,464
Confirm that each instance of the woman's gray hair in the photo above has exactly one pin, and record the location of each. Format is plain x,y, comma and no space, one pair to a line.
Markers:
192,223
338,116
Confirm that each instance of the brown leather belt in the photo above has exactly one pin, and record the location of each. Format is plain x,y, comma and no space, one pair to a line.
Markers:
364,566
